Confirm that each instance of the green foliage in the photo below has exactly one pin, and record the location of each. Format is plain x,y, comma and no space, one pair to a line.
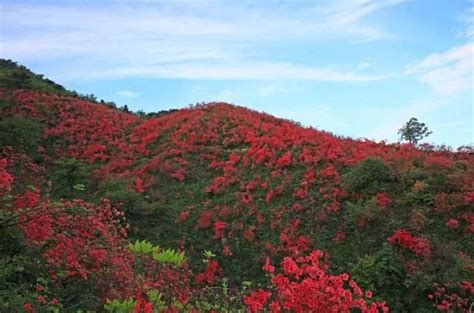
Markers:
79,187
21,133
208,255
169,256
413,131
70,178
120,306
382,273
156,299
159,255
119,191
142,247
17,76
17,271
5,104
385,275
369,176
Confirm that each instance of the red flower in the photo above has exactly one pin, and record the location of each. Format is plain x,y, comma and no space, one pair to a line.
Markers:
304,286
210,274
257,299
28,307
469,197
284,160
219,227
419,246
452,223
268,267
382,199
39,288
41,299
183,215
227,250
6,180
139,185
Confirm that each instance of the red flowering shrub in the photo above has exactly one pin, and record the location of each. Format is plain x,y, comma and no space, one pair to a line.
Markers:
80,241
219,227
210,274
452,223
256,300
6,179
403,238
304,286
382,199
453,297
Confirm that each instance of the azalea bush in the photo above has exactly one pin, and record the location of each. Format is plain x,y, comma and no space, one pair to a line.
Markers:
304,286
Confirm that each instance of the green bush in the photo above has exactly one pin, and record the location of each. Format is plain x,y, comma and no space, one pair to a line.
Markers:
369,177
119,191
71,178
21,133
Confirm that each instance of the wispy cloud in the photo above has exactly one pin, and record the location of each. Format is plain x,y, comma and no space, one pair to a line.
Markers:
268,90
449,71
364,65
260,71
127,94
344,12
467,18
210,40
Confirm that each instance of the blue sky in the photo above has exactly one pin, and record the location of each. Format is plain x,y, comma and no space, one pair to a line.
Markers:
358,68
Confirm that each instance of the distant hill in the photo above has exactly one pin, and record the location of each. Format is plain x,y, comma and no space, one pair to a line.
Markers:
15,76
238,190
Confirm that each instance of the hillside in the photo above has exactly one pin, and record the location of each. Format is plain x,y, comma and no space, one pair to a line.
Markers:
242,189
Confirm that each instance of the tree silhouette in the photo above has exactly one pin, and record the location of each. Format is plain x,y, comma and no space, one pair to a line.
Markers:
413,131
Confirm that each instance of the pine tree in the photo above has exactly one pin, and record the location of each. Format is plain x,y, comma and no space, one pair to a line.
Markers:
413,131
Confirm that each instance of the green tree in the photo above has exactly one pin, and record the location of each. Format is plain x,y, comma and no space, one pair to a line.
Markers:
70,178
413,131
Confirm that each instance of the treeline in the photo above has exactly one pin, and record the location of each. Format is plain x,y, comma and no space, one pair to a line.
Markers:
16,76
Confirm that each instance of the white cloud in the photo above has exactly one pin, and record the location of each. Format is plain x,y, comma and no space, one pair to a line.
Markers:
230,96
348,11
267,90
260,71
449,71
215,40
364,65
127,94
468,19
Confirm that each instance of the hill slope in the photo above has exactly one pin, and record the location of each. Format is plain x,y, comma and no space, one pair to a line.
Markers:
248,186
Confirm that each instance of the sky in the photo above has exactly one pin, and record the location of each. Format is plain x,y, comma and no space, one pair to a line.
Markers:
358,68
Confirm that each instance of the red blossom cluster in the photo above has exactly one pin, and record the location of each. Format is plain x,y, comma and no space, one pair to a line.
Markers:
304,286
456,297
84,243
382,199
211,272
452,223
81,241
417,245
6,179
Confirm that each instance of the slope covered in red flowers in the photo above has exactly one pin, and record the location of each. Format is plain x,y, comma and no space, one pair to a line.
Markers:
256,190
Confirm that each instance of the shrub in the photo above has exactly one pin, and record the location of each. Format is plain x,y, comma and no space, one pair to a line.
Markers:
369,177
21,133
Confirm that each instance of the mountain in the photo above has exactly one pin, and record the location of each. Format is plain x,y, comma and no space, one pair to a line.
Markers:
267,213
